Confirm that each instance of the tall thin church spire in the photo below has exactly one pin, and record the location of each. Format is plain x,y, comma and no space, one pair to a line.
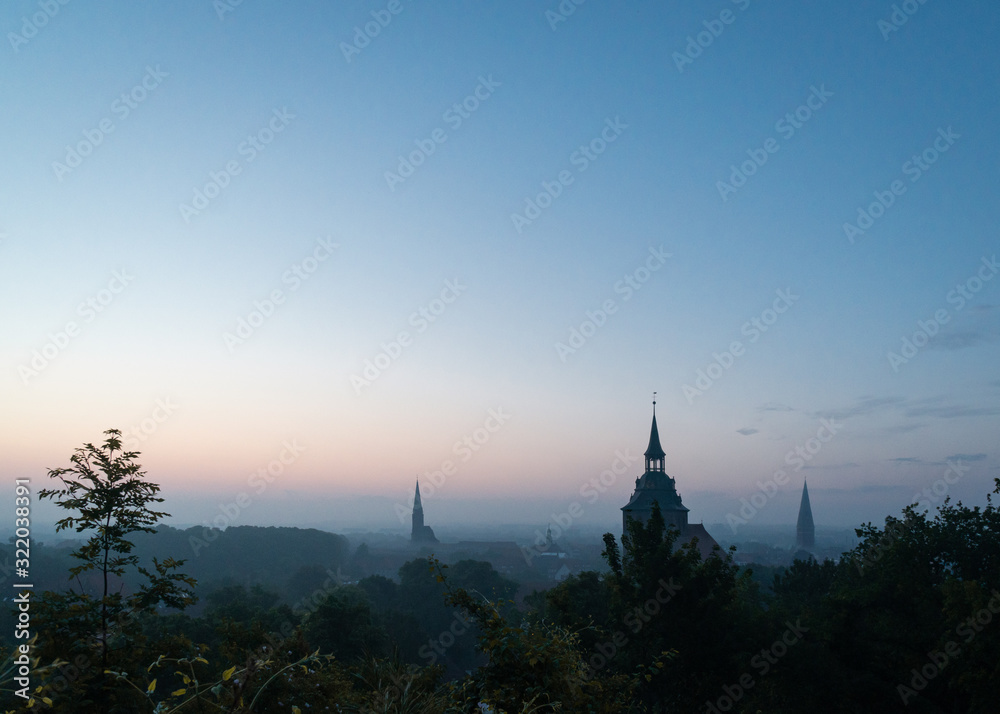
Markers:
805,529
654,452
420,532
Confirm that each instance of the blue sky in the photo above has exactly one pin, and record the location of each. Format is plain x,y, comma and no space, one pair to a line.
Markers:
619,113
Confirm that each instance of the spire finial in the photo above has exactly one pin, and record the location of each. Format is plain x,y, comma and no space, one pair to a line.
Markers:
654,403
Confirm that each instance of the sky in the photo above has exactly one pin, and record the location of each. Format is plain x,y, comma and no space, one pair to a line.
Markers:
301,253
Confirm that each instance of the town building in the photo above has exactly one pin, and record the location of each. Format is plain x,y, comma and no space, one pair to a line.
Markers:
655,486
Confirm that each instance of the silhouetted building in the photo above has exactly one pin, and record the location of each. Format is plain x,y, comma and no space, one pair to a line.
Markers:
420,532
805,529
655,486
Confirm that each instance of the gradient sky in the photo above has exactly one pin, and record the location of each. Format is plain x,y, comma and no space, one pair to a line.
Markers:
665,120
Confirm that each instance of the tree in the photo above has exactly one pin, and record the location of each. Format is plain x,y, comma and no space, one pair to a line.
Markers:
109,499
664,598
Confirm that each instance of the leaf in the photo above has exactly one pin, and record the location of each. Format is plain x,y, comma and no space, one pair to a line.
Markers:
151,687
178,692
296,710
228,673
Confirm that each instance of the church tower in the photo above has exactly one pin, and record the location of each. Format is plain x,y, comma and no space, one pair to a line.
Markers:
655,485
420,533
805,530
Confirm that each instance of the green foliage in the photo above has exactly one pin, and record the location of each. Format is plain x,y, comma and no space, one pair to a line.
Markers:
344,625
663,631
82,634
529,669
262,684
108,498
390,687
668,599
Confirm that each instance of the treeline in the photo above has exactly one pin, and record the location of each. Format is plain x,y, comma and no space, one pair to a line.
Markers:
905,622
215,558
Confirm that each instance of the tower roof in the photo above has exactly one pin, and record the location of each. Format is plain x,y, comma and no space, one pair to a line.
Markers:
805,511
654,450
416,498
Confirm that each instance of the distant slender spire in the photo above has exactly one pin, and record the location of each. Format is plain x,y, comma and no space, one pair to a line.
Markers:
416,533
420,532
805,530
654,452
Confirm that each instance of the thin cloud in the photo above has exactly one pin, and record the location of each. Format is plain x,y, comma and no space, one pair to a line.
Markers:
746,431
958,411
961,340
966,457
844,465
985,328
901,428
936,407
864,407
774,407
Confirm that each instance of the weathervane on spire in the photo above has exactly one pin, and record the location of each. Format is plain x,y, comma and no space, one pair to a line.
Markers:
654,402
